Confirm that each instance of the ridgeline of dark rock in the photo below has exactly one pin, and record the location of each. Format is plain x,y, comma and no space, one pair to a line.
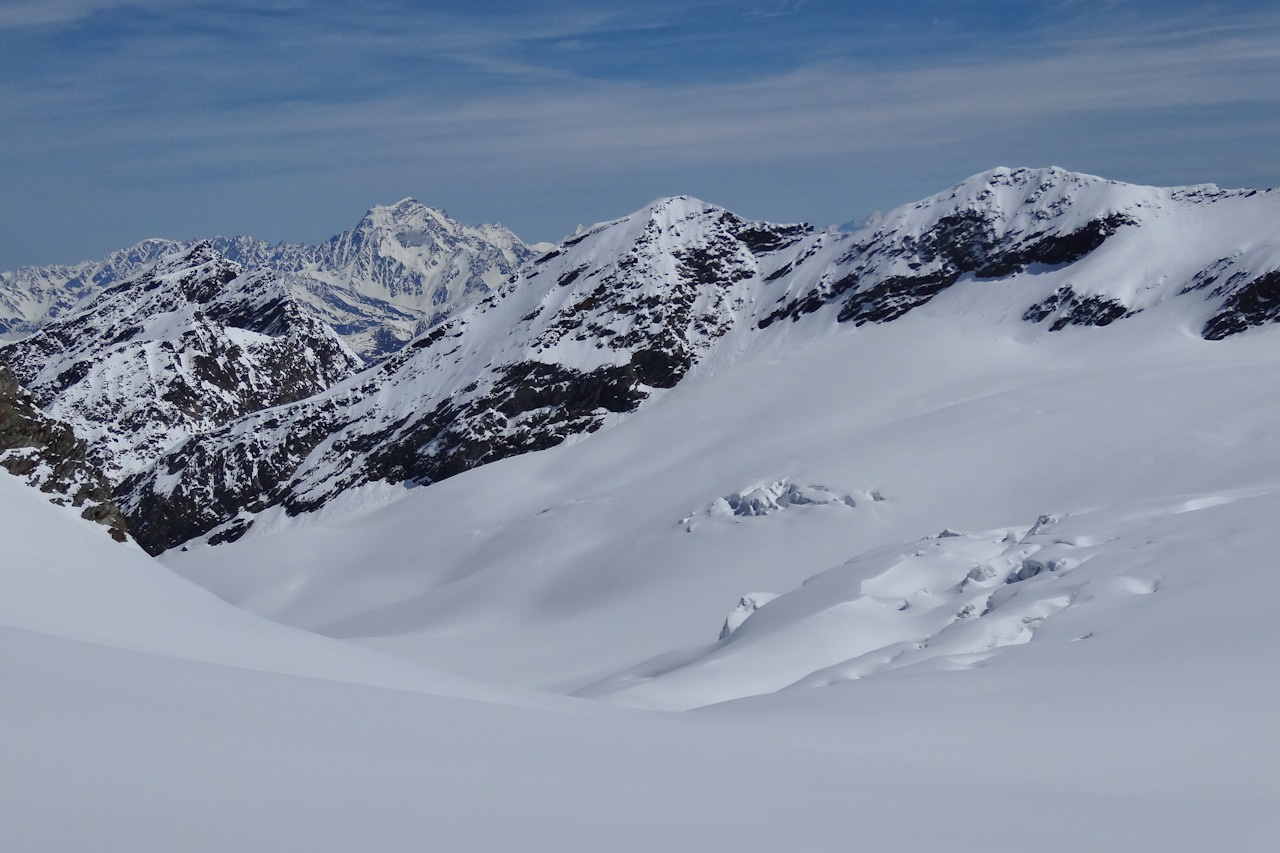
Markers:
898,267
1249,303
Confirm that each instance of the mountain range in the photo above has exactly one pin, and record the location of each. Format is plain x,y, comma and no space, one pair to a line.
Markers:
223,378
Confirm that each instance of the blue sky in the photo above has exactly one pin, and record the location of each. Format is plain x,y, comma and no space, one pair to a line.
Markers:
287,120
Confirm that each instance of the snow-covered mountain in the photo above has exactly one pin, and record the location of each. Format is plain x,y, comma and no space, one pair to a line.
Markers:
1032,228
412,256
587,332
590,330
401,269
190,344
32,296
956,531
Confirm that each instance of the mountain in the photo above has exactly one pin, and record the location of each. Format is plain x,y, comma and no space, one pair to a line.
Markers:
32,296
190,344
586,333
590,330
401,269
1030,226
412,256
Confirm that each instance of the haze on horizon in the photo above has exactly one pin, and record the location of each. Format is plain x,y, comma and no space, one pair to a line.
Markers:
286,120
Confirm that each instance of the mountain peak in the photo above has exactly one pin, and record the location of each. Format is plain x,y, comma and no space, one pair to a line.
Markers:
678,205
197,254
1010,187
407,212
199,270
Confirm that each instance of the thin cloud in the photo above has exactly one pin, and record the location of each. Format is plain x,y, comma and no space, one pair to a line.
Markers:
20,14
462,111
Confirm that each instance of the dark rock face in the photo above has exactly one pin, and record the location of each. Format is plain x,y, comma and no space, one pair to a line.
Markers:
1054,249
1250,303
891,298
223,475
209,480
48,455
1068,308
763,239
964,243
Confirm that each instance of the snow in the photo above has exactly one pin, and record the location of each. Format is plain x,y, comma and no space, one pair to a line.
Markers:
1119,698
1021,592
1135,717
65,578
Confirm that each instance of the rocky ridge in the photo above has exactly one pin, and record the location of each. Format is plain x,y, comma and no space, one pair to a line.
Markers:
49,456
588,331
401,269
191,344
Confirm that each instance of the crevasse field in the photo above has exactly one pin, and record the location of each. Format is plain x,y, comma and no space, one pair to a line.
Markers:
1025,593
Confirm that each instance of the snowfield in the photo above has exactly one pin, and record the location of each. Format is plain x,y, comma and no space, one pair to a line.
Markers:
961,581
1055,623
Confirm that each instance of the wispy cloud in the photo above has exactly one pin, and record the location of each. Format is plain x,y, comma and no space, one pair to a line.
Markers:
829,109
19,14
477,105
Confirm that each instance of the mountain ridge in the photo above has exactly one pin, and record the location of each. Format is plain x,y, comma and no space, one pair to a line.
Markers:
583,334
397,271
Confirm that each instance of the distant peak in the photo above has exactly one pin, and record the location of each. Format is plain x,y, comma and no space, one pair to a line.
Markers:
407,206
675,207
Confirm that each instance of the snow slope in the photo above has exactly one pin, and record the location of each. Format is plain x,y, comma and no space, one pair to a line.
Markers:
158,718
1118,696
68,584
951,424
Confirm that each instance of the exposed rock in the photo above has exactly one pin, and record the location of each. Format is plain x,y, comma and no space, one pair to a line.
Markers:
1250,303
189,345
47,454
1068,308
992,226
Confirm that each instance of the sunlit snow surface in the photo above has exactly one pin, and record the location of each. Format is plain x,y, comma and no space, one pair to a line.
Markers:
1055,624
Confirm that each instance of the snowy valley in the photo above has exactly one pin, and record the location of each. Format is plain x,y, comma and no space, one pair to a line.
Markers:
949,533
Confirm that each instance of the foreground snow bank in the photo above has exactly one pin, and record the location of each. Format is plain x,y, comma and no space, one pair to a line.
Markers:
63,578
